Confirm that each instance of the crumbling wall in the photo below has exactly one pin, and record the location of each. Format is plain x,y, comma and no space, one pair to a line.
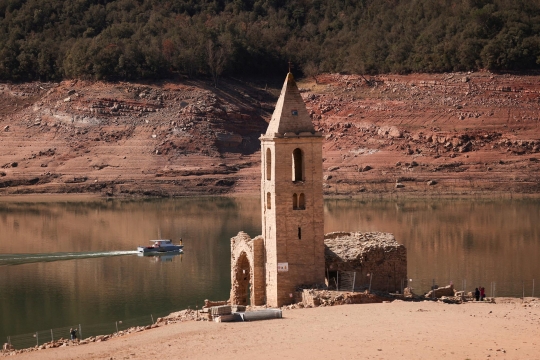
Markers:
316,297
374,253
247,270
442,291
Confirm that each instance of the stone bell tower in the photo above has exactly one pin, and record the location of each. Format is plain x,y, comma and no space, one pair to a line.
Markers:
291,198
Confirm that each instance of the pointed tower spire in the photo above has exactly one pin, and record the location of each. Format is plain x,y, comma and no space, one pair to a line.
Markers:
290,114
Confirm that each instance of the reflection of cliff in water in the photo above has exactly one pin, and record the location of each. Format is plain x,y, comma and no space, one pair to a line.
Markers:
108,288
119,224
488,240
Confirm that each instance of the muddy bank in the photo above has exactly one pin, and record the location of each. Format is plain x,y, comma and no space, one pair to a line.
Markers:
422,134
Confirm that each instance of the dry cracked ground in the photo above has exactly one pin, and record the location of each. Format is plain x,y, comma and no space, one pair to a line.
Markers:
420,134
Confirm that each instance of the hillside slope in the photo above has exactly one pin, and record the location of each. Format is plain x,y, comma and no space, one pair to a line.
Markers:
454,133
148,39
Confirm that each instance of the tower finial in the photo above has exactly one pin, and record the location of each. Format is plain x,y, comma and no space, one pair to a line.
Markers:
290,65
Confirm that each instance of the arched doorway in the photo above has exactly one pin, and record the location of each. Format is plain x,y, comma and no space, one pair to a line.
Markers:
241,292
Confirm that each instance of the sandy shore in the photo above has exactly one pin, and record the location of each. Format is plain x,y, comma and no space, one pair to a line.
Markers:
405,330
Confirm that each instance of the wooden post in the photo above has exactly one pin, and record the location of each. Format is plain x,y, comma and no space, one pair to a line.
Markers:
353,281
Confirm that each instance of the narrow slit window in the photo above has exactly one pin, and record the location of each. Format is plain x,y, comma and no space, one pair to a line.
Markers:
299,233
268,164
295,202
301,202
268,200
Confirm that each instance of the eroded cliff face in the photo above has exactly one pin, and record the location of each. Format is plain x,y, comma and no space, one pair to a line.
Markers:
421,134
124,138
445,133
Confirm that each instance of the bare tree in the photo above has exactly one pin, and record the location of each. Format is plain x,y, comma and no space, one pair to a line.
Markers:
217,59
311,69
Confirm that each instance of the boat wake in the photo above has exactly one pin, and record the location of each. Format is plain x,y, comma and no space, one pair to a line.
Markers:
18,259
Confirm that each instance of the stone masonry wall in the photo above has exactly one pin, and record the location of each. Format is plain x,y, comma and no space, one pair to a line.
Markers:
374,253
304,252
247,270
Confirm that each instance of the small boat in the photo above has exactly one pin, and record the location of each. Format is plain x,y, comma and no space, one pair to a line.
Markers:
160,246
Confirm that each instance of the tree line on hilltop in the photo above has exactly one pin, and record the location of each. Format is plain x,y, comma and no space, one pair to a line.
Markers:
148,39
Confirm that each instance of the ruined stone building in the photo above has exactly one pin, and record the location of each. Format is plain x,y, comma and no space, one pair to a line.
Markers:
291,251
358,261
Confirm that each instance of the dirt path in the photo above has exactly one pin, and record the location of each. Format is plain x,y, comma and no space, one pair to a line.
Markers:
403,330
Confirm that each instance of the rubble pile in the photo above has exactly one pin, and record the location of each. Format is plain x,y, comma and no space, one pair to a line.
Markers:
180,316
317,297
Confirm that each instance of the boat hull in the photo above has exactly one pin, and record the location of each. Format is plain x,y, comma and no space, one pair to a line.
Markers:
158,250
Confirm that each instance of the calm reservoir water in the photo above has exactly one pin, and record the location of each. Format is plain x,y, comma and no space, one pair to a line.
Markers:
67,261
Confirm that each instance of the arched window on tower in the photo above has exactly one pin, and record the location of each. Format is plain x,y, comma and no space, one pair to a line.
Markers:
268,200
268,164
302,202
295,202
297,165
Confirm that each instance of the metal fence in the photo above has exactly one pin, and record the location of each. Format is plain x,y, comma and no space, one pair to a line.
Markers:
352,281
83,331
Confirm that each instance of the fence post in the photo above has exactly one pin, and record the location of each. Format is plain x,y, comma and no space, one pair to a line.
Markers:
37,339
117,327
80,331
337,281
52,338
533,289
152,319
353,281
523,298
370,280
